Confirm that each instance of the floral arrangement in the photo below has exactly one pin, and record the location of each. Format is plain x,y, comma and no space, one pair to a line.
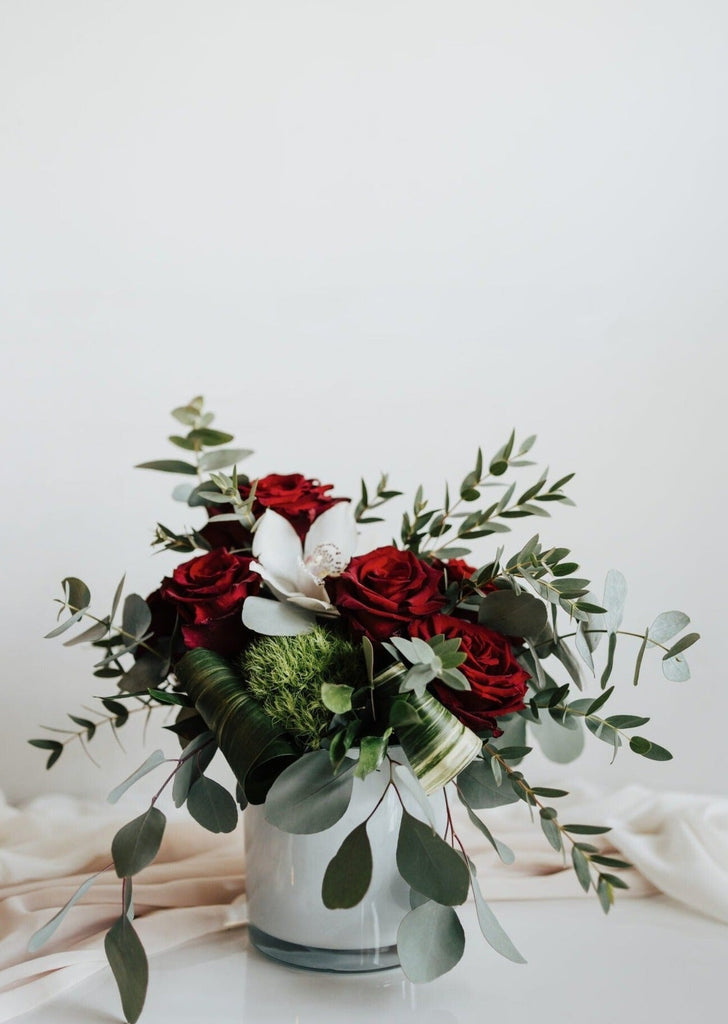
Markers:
306,663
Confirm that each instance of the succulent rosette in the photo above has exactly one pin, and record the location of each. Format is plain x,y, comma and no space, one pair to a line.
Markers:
305,656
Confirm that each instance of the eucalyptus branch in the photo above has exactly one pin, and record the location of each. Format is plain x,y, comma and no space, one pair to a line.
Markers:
583,854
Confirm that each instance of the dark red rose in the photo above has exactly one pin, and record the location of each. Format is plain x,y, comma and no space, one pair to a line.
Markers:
208,592
458,570
294,496
498,683
383,591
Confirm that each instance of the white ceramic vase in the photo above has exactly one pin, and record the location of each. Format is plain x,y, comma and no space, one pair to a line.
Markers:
284,874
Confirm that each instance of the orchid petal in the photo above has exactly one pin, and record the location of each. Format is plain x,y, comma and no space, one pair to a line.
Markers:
273,618
281,586
276,545
334,526
309,585
321,607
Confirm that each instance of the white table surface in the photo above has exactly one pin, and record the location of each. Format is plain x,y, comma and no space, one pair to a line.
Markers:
650,960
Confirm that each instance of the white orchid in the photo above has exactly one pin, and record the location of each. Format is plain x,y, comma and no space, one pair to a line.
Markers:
295,572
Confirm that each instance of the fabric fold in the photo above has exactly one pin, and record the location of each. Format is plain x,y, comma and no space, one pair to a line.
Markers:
678,844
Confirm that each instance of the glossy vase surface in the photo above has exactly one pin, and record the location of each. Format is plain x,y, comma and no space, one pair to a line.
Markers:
284,875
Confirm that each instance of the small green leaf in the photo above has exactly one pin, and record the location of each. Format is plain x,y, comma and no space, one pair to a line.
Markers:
210,438
600,701
581,867
349,872
169,466
90,635
371,754
653,751
640,656
336,697
430,941
480,788
169,697
220,459
401,713
137,843
128,961
212,806
136,617
550,829
682,645
54,746
429,864
195,759
667,625
587,830
152,762
40,937
610,659
505,853
409,781
615,593
490,926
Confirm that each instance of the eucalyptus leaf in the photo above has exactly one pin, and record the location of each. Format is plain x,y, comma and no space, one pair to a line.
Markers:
212,806
559,743
615,594
194,761
128,961
308,797
136,844
667,625
152,762
429,864
349,873
169,466
505,853
430,941
676,670
480,789
490,926
40,937
222,458
136,616
90,635
410,783
510,614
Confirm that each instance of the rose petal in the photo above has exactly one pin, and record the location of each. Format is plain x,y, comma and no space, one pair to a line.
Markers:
273,618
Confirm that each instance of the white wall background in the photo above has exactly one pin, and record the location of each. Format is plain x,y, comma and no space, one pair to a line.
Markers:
374,235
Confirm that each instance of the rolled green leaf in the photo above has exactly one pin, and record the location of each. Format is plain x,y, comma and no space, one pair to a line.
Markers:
439,747
256,749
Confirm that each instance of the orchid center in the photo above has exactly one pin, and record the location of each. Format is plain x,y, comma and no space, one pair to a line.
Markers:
325,560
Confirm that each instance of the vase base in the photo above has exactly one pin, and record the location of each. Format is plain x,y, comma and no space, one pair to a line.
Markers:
316,959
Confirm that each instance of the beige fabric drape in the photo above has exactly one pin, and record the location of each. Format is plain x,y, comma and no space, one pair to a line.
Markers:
678,843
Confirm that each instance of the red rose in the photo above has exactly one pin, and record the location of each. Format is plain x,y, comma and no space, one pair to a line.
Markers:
296,498
457,569
384,590
498,683
208,592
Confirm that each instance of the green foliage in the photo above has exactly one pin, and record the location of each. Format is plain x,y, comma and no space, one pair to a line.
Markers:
428,864
136,844
349,872
430,941
128,962
286,676
310,796
254,745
